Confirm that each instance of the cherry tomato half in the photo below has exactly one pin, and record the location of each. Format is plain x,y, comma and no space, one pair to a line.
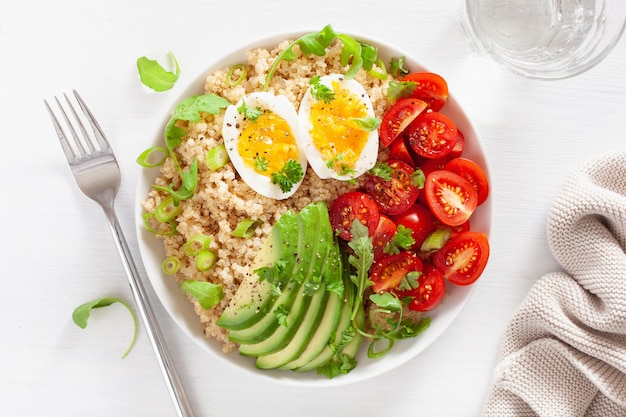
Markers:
387,273
420,220
432,135
431,88
451,198
383,235
463,258
431,288
397,194
399,117
400,151
352,206
457,150
473,173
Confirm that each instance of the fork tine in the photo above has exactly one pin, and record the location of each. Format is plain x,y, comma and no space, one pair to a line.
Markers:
67,148
86,137
97,130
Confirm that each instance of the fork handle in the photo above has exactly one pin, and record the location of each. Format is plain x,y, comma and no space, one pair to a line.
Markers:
174,385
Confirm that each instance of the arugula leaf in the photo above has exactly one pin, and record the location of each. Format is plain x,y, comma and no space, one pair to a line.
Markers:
387,301
206,293
396,67
191,110
189,180
361,260
80,316
154,76
355,55
321,92
250,113
288,176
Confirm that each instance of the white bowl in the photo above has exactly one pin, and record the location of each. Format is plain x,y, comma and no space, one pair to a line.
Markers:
181,310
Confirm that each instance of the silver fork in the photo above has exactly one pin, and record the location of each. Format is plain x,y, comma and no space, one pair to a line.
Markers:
97,174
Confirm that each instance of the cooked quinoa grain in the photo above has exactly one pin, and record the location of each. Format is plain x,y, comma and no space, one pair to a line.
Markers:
222,199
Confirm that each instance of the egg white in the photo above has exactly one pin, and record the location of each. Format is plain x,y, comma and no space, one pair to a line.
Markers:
369,153
231,131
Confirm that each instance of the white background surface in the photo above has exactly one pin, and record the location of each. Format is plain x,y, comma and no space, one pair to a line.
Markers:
58,252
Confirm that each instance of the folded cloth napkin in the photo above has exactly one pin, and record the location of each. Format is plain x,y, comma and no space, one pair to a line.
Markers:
564,351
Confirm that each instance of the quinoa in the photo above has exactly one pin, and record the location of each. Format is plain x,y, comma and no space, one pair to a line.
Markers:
223,199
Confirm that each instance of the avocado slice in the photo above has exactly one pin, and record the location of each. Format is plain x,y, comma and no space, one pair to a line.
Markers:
321,336
327,353
254,297
300,340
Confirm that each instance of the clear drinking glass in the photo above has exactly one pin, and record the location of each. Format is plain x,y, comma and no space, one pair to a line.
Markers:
547,39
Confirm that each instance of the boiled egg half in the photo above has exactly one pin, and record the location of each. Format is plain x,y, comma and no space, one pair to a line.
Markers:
259,136
337,132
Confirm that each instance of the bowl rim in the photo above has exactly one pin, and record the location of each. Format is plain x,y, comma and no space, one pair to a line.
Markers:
182,312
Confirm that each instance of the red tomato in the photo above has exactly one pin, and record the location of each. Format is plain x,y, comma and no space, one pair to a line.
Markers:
396,194
472,172
463,258
420,220
398,150
387,273
429,292
352,206
432,135
431,88
383,235
398,117
451,198
457,150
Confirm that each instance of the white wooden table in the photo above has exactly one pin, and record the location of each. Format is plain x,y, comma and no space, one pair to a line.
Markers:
58,253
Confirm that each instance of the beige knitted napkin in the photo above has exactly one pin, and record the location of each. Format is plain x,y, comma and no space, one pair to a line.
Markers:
564,352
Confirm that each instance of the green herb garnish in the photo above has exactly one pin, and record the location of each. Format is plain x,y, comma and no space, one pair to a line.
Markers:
386,303
82,312
354,55
154,76
396,67
288,176
206,293
400,89
382,170
250,113
369,124
321,92
261,164
401,240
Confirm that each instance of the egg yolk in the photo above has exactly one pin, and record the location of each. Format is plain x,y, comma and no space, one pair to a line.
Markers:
267,143
337,137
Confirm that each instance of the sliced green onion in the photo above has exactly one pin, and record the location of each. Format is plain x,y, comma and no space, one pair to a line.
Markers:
196,244
243,72
171,265
167,210
144,158
246,228
205,259
435,240
217,157
147,217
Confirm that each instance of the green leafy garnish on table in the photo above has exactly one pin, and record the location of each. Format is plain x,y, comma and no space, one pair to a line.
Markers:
154,76
81,315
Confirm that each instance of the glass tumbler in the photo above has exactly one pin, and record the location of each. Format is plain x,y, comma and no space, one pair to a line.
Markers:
545,39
